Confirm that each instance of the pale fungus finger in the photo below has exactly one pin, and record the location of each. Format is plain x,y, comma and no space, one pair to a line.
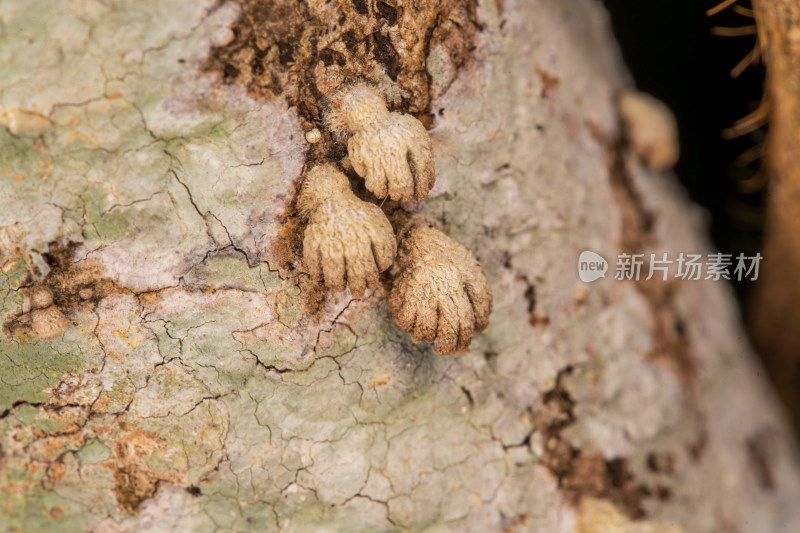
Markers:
347,242
356,274
480,297
312,258
361,155
371,272
334,268
455,328
419,320
392,162
447,341
466,318
383,251
427,322
422,169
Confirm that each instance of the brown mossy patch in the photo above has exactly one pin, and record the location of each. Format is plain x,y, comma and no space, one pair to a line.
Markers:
76,284
303,51
583,473
132,486
73,284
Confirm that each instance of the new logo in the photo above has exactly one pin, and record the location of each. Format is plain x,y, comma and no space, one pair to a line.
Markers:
591,266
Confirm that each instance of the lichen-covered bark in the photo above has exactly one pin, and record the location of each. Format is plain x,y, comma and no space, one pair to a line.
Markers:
199,387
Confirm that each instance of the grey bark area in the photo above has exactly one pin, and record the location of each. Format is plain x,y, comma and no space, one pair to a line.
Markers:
192,389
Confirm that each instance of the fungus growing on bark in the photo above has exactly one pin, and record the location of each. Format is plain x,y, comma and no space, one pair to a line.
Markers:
347,241
650,128
41,298
441,294
313,136
47,321
24,121
391,151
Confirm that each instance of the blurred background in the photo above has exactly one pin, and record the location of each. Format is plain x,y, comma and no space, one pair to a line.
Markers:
673,55
693,59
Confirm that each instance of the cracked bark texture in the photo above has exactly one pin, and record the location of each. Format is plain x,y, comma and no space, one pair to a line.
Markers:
192,390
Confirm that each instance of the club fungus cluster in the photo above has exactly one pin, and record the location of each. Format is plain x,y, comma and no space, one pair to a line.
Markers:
440,294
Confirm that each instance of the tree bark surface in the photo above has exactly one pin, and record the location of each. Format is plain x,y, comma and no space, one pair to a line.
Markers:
197,387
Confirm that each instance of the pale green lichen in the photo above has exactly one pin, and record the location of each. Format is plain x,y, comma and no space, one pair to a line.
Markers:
27,369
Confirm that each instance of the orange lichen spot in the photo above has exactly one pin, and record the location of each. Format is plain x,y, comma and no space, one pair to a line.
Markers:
379,382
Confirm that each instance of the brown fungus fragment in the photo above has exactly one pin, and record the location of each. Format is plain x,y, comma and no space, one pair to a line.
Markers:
347,241
602,516
391,151
441,294
41,297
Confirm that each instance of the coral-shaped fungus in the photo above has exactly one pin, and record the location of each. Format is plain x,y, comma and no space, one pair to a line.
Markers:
441,294
347,241
650,129
391,151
